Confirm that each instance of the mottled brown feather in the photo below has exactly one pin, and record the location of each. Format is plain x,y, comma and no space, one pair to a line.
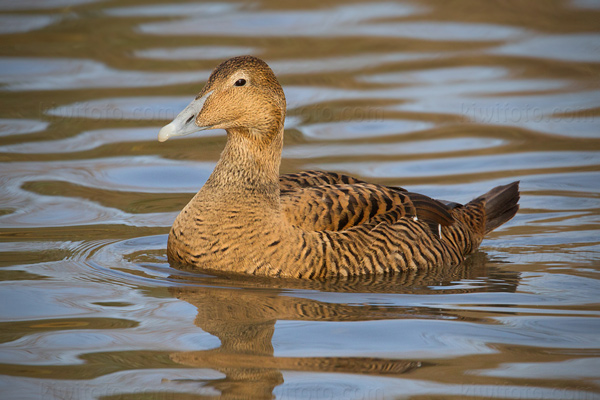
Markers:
316,200
315,178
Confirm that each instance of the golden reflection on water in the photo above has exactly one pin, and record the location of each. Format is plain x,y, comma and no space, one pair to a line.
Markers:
245,322
445,98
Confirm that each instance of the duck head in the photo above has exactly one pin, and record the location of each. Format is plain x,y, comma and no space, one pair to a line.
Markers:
242,95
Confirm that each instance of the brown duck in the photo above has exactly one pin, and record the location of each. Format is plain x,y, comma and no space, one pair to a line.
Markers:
248,219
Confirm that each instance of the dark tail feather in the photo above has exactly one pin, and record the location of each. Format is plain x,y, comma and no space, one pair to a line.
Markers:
501,204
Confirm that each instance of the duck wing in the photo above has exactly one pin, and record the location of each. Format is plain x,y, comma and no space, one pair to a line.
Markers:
315,178
337,207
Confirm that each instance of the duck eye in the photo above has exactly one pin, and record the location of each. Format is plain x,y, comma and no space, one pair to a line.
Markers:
240,82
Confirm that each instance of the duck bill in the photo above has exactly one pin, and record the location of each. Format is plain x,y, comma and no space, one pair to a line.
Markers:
185,122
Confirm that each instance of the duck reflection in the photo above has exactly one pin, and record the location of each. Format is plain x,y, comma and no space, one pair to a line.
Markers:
242,313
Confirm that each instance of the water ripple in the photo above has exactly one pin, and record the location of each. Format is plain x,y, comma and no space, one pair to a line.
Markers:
10,127
83,141
575,47
388,149
196,52
467,165
25,74
24,23
284,23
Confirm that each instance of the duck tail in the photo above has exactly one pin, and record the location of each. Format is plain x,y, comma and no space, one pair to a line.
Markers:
501,204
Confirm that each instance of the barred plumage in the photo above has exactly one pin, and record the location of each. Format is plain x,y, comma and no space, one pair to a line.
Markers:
312,224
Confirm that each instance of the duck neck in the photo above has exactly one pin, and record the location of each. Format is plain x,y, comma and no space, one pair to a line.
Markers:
248,169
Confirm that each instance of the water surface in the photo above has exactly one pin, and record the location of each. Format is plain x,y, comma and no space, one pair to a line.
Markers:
445,98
